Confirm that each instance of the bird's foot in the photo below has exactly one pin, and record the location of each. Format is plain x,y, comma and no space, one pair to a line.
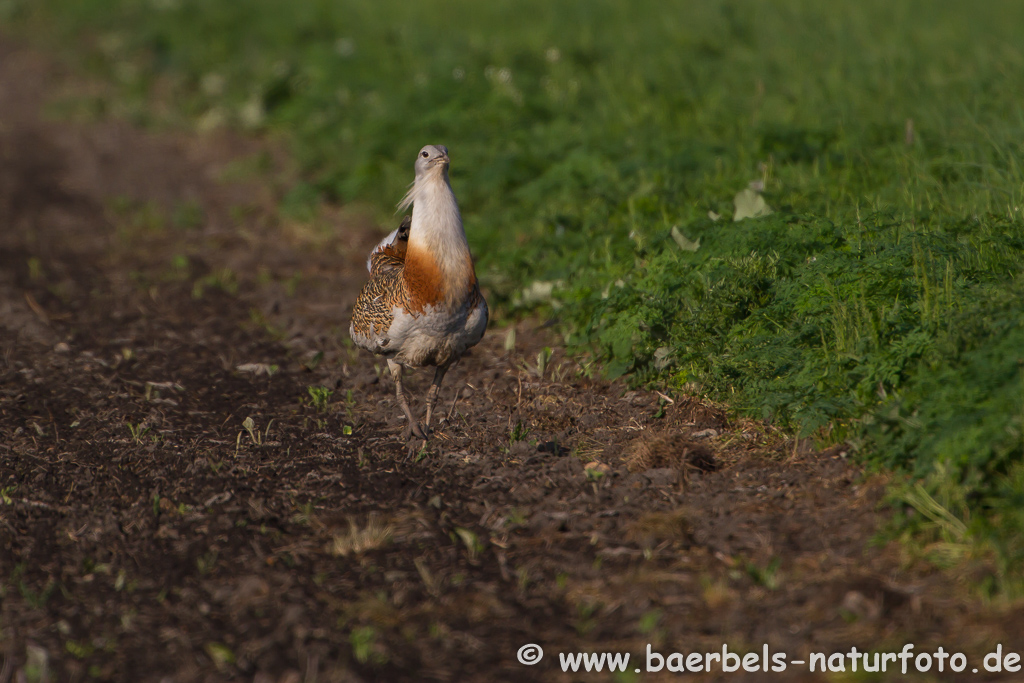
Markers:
416,440
414,428
415,450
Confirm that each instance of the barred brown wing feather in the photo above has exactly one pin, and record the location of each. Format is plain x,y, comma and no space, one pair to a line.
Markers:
394,244
373,311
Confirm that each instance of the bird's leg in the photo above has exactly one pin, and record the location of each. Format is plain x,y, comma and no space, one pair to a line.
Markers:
434,390
412,426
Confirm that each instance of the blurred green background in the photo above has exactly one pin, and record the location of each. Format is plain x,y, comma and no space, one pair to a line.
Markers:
598,149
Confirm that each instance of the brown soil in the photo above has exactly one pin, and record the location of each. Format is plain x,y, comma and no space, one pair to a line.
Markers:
151,301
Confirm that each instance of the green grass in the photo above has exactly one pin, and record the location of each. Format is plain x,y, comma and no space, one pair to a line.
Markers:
882,300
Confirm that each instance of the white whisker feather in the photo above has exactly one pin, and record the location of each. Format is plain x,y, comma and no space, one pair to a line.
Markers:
408,199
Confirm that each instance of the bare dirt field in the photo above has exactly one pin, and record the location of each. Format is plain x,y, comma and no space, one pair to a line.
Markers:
152,301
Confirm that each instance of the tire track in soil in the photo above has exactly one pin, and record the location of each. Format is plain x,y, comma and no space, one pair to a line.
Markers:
150,537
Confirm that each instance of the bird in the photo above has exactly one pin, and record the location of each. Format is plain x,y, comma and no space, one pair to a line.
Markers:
422,304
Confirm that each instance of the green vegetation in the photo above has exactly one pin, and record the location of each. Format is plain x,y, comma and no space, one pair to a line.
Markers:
320,398
597,150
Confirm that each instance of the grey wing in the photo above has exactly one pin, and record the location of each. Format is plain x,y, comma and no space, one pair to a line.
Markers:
479,315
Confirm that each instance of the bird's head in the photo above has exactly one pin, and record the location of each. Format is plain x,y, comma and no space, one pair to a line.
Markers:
431,158
431,168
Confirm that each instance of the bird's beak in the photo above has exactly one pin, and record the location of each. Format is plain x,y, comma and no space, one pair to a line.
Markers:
440,161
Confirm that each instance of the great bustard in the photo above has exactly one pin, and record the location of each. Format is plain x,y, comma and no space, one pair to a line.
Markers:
422,305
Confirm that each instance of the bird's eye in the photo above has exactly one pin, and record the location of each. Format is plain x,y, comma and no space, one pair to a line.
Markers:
424,154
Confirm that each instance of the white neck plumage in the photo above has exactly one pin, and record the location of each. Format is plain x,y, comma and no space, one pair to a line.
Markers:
436,233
